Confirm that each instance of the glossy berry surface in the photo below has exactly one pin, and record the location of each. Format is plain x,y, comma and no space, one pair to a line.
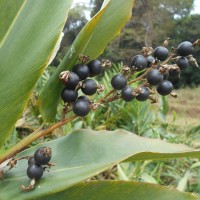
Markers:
139,62
35,171
143,95
42,155
118,82
150,60
164,88
81,70
154,77
73,81
69,95
81,107
89,87
84,98
127,93
182,63
31,161
95,67
185,48
161,53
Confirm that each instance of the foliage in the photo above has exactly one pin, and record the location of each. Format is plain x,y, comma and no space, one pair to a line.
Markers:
82,154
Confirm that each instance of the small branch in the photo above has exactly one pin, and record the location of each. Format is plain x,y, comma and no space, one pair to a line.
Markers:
32,137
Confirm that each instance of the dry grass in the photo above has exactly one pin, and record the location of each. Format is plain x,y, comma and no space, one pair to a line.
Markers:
186,107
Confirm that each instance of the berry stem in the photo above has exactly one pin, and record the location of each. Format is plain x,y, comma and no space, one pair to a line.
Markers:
20,146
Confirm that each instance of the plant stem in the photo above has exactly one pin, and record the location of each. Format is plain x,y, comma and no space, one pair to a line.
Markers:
32,137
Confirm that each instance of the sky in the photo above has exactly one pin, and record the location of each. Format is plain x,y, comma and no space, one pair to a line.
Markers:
196,9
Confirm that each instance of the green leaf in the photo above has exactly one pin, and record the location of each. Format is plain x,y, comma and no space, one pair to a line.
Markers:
27,40
120,190
91,41
84,154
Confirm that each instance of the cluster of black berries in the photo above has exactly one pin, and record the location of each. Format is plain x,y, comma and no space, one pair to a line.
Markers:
41,157
37,165
159,74
80,78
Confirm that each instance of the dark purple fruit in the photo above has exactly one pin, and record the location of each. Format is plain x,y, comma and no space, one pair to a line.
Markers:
144,94
95,67
31,161
73,81
127,93
81,107
182,63
69,95
35,171
89,87
139,62
150,60
118,82
164,88
81,70
185,48
42,155
161,53
154,77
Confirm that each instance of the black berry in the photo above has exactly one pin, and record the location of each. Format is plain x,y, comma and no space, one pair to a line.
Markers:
81,70
35,171
72,81
69,95
42,155
95,67
118,82
161,53
81,107
85,98
150,60
154,77
31,161
143,95
164,88
89,87
182,63
139,62
185,48
127,93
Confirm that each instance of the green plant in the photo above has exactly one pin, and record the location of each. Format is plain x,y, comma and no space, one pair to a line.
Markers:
84,153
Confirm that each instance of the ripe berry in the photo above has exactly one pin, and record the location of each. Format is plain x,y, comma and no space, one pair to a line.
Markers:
95,68
127,93
89,87
182,62
161,53
154,77
31,161
143,95
42,155
118,82
164,88
150,60
185,48
81,70
81,107
139,62
73,81
69,95
84,98
35,171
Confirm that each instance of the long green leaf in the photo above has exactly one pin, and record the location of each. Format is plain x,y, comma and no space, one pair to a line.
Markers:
120,190
84,154
91,41
30,30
